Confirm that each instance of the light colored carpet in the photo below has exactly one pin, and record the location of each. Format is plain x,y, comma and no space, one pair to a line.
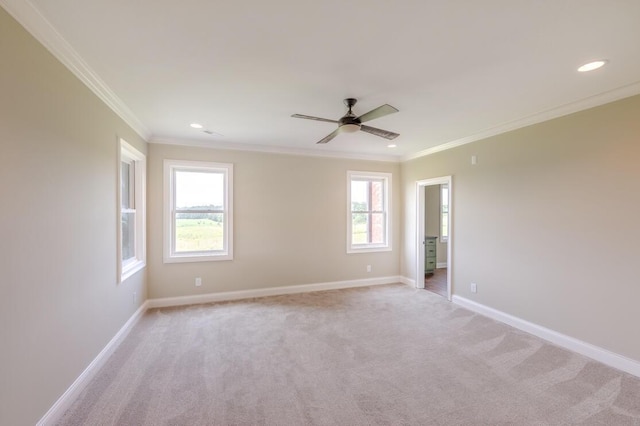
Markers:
386,355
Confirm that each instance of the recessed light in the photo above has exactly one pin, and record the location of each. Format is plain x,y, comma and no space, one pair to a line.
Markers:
196,125
593,65
392,145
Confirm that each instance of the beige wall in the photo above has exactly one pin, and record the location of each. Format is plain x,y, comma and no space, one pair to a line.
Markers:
290,224
60,302
432,220
547,223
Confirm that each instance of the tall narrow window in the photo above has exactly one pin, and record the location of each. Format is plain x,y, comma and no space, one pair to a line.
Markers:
368,221
198,211
444,213
132,214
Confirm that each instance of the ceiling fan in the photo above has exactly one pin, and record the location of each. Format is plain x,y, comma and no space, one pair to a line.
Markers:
351,123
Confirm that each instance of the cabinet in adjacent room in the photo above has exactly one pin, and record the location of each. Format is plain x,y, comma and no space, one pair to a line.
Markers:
430,254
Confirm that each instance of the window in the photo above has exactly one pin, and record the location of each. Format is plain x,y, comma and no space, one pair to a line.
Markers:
198,211
444,213
368,221
131,219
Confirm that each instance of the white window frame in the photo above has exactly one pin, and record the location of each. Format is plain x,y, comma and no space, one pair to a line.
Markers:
169,254
370,247
443,221
138,162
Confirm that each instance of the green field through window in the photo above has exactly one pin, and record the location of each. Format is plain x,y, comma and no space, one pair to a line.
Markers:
199,235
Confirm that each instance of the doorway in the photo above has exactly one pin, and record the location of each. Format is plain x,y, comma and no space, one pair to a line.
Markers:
434,235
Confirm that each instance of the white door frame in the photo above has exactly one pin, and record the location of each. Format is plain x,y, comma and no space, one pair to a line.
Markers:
420,218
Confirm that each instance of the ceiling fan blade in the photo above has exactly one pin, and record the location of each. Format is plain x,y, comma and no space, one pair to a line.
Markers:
379,132
309,117
329,136
381,111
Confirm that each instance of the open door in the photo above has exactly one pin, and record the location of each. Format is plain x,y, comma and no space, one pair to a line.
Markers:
421,217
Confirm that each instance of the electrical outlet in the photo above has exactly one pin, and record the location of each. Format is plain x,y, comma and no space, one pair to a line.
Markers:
474,160
198,281
368,268
135,297
474,288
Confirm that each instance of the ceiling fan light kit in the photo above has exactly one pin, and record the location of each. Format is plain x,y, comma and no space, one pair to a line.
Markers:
349,128
351,123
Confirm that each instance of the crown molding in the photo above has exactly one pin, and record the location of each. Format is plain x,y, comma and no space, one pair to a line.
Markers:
275,149
41,29
549,114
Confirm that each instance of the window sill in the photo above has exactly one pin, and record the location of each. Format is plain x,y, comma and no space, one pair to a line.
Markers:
196,258
131,269
367,249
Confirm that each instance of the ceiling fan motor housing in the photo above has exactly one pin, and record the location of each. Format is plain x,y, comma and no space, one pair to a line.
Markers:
349,123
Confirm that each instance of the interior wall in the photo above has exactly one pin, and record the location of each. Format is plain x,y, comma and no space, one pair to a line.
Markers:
60,302
290,224
547,223
561,257
432,220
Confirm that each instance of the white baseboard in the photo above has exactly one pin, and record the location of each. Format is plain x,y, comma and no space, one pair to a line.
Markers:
408,281
272,291
441,265
71,394
597,353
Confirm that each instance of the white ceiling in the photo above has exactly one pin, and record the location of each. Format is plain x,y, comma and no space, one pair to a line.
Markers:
457,70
